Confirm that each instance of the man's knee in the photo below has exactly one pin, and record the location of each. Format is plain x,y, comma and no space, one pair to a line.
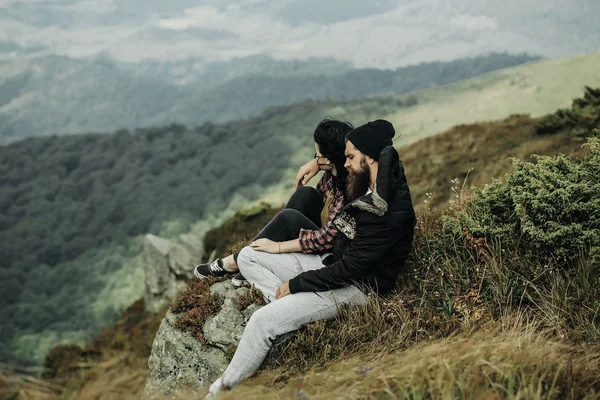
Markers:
250,258
245,256
262,320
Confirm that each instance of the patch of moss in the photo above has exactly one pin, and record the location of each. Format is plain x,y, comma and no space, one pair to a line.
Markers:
196,304
252,296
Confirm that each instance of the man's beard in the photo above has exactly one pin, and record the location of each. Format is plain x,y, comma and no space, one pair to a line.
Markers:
358,182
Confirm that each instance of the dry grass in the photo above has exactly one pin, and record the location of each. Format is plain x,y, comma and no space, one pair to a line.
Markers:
480,151
119,376
15,385
509,360
118,369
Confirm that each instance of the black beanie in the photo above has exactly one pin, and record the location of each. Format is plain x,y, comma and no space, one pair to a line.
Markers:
372,137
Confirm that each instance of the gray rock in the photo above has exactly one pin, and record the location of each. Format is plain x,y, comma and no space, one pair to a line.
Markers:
226,290
225,328
193,244
167,266
180,362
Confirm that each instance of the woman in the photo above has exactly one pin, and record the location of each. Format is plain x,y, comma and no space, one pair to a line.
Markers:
306,223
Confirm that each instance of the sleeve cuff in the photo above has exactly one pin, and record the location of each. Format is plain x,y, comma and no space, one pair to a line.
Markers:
302,241
294,285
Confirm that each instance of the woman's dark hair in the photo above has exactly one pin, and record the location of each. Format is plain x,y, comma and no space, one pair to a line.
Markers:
330,135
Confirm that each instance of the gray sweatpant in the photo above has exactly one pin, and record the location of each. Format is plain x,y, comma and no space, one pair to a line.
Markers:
267,272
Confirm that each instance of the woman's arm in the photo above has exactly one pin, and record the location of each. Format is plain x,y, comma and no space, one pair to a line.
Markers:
306,172
269,246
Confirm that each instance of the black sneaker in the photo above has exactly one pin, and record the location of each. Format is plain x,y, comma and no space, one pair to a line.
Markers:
239,281
215,268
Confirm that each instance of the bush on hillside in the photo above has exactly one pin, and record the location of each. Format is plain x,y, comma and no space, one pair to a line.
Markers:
530,243
550,208
583,116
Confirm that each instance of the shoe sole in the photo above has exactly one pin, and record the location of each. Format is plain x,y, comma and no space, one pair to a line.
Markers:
238,283
198,275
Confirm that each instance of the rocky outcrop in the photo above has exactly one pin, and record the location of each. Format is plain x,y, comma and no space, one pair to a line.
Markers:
167,266
180,362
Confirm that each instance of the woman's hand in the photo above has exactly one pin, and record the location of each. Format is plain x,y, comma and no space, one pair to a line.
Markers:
306,172
266,245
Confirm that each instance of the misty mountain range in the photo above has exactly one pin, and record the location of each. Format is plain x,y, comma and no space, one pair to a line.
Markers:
40,96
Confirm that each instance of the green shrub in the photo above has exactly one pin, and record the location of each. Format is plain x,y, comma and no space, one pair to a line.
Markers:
550,208
554,123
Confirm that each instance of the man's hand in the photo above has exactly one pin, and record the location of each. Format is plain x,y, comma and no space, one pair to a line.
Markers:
266,245
306,172
283,290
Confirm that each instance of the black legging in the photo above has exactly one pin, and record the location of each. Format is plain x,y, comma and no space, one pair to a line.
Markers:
302,211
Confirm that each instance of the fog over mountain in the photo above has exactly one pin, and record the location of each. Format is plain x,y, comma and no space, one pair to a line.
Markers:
60,95
380,34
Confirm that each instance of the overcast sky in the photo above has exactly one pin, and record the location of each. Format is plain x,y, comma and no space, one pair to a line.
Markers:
383,34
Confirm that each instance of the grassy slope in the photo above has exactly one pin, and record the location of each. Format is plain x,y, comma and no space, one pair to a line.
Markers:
480,365
535,89
483,364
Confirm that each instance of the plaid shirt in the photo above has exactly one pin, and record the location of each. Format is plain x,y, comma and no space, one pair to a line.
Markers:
321,240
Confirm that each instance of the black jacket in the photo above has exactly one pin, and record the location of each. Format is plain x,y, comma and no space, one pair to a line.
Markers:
376,234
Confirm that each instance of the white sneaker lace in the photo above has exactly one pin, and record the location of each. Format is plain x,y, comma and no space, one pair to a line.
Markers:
214,266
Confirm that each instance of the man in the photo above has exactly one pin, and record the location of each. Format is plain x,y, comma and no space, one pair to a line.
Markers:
377,226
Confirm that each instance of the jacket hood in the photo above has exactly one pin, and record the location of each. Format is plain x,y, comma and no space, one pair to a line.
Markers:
390,179
390,175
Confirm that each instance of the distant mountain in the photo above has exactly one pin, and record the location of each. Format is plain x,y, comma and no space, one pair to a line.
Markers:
60,95
208,75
